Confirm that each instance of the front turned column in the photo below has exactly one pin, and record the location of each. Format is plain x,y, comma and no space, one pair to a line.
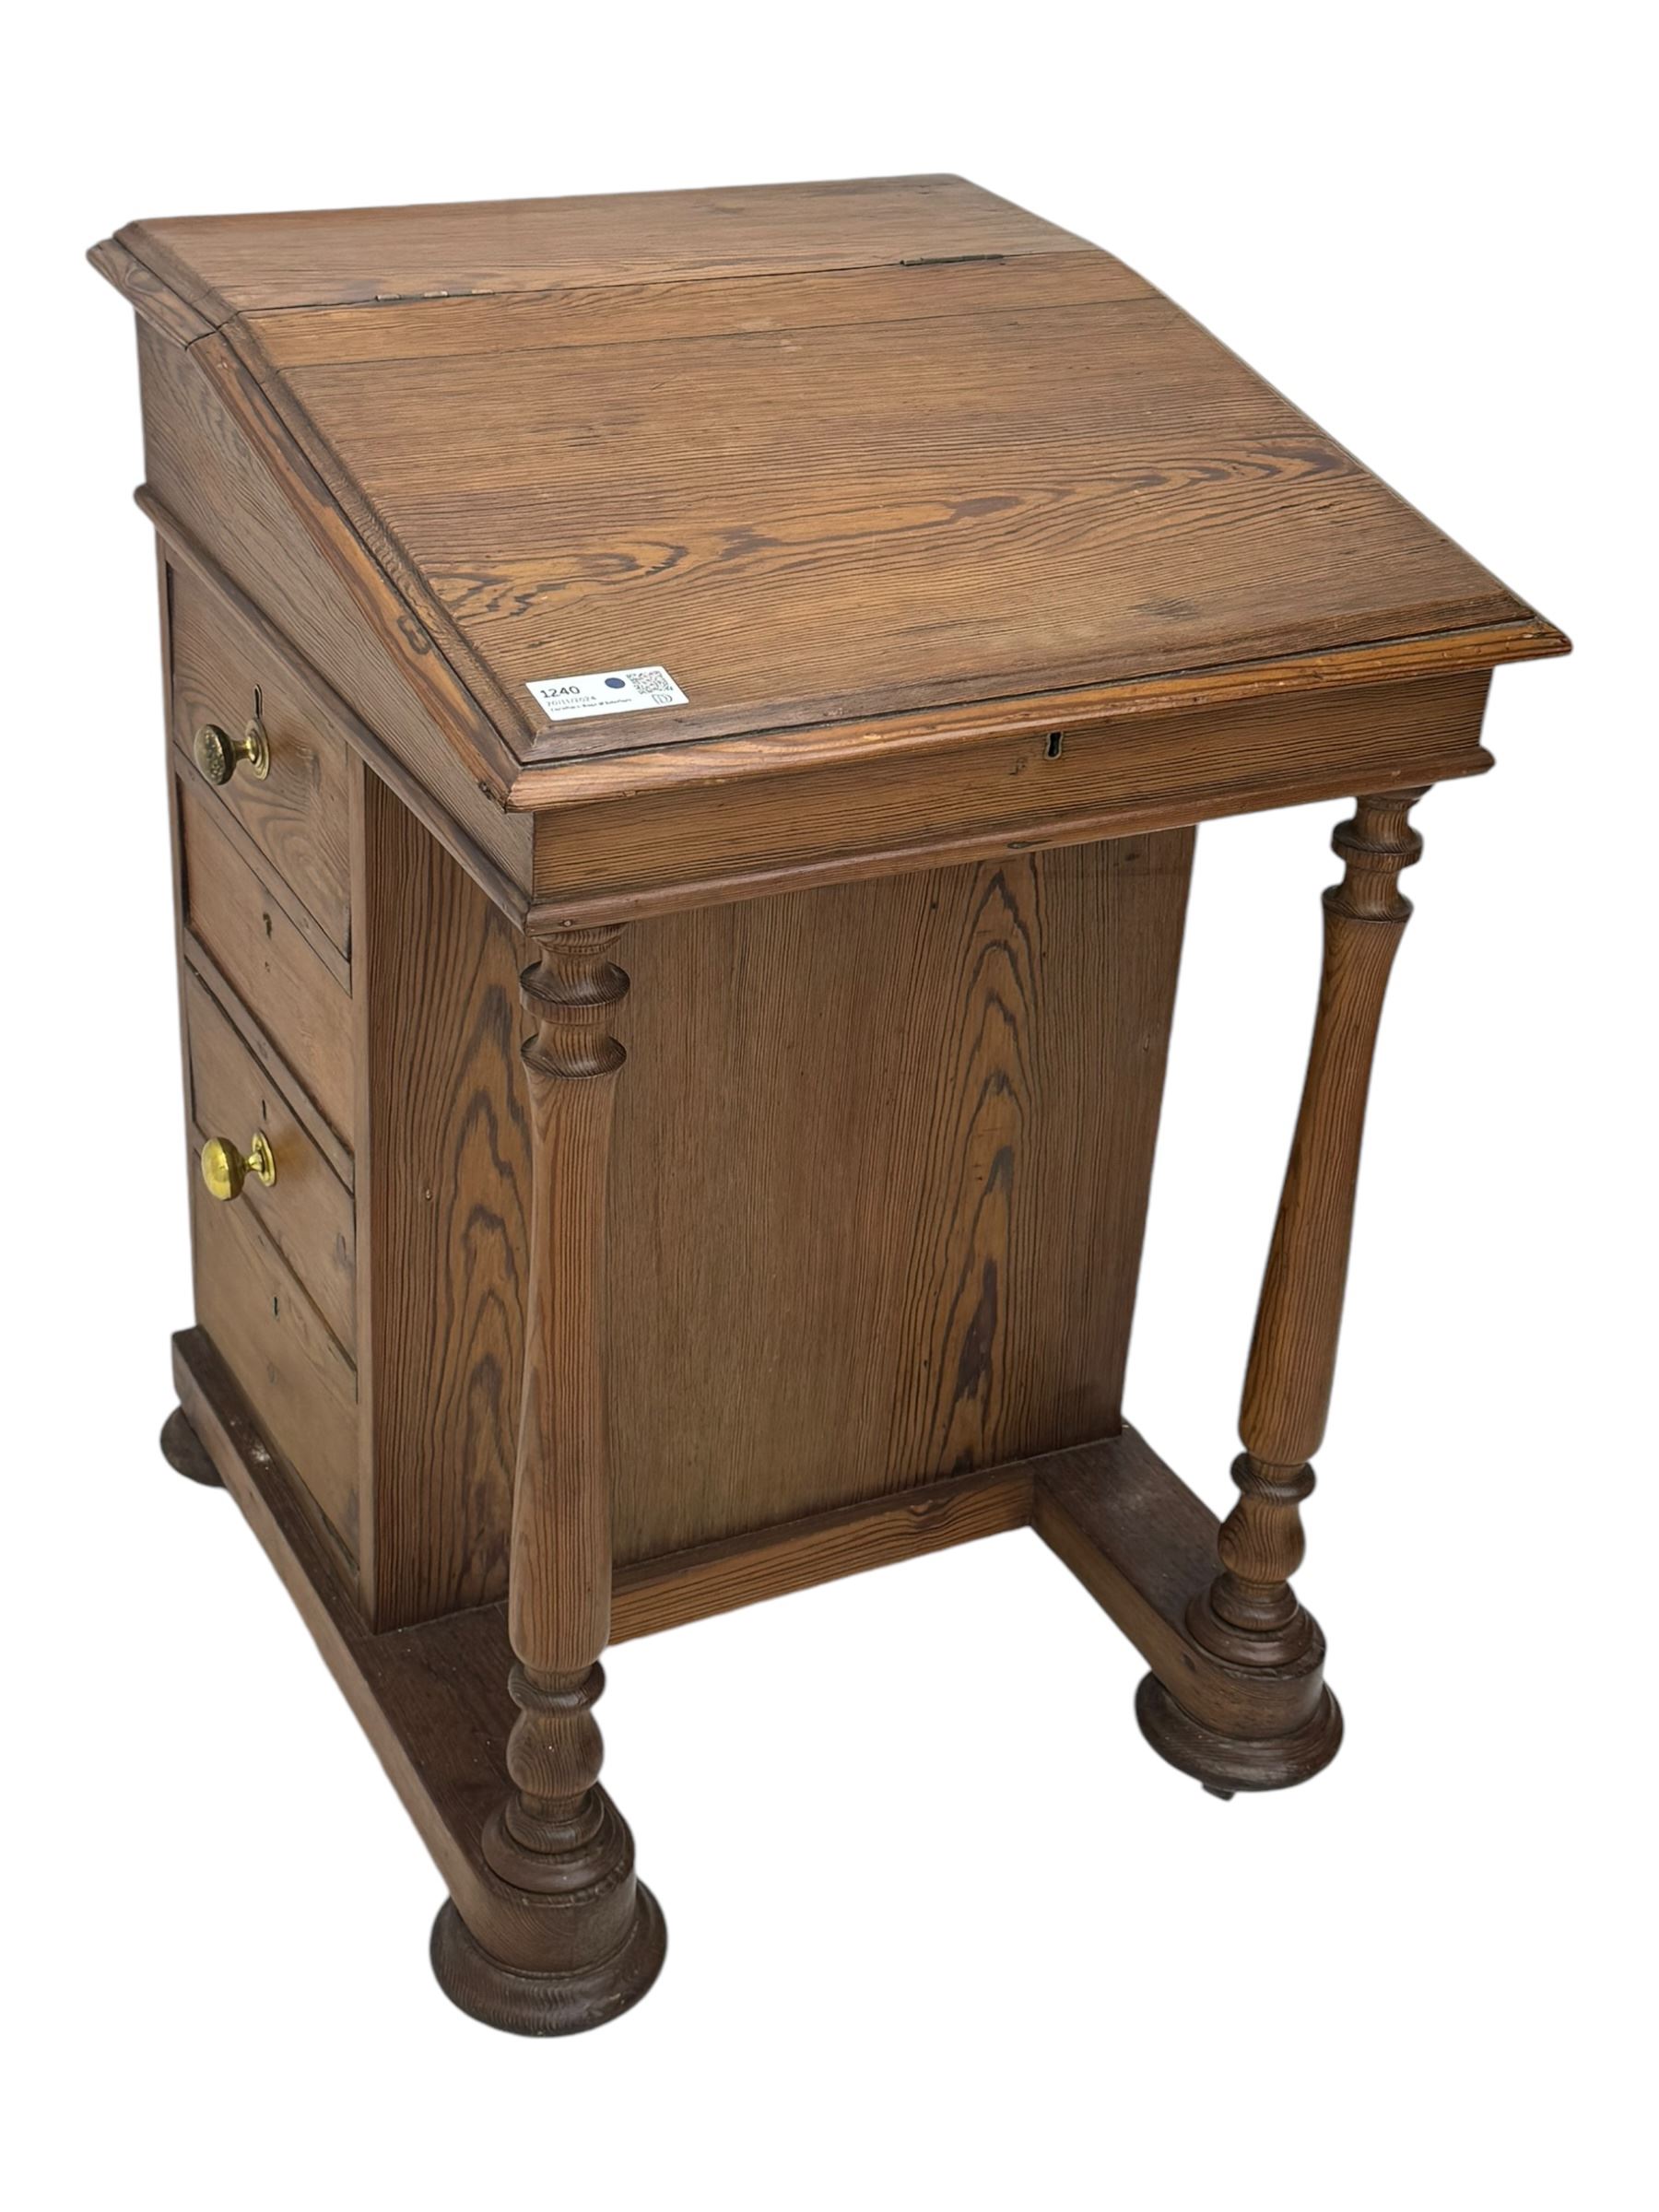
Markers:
587,1937
1269,1719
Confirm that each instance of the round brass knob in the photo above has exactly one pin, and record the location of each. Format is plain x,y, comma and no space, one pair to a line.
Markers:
224,1169
217,753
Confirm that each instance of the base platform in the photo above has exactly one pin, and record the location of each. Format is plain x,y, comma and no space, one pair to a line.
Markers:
433,1699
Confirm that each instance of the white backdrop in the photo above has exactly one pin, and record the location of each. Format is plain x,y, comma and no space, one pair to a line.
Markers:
942,1928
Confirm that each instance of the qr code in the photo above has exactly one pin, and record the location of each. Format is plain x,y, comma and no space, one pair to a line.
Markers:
657,680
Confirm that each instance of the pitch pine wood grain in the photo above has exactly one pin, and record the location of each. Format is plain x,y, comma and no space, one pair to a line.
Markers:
1293,1352
224,265
297,815
556,1834
254,519
614,314
689,1585
877,1188
682,844
274,885
858,518
448,1193
800,1232
185,555
300,1384
151,297
267,962
1251,1615
881,1156
257,1041
837,456
307,1212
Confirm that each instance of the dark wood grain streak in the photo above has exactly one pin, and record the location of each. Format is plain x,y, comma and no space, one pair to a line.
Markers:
861,482
929,512
449,1223
881,1160
855,1100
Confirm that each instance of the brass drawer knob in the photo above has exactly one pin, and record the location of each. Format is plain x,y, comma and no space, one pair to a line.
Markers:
224,1169
217,753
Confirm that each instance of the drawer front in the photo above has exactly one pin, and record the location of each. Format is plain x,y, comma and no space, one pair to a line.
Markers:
300,1385
298,814
307,1211
267,962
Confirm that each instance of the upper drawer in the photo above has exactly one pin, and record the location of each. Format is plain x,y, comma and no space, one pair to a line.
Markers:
298,813
280,979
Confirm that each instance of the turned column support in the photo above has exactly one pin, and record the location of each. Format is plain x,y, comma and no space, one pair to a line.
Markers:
1269,1648
593,1935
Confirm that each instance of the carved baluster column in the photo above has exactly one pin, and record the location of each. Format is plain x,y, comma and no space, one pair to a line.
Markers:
587,1938
1267,1718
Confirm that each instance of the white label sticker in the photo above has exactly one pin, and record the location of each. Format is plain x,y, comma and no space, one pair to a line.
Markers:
619,691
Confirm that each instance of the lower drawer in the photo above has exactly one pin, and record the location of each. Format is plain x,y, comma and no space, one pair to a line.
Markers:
300,1385
307,1211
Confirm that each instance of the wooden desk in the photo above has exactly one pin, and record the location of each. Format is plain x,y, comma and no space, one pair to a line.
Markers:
787,638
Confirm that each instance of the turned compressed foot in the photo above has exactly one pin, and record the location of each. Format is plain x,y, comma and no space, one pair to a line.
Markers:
537,2003
184,1450
1227,1763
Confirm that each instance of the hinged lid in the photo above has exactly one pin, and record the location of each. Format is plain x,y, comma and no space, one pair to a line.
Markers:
822,458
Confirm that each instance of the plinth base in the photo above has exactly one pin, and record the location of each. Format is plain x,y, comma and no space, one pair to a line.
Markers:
525,2003
1226,1763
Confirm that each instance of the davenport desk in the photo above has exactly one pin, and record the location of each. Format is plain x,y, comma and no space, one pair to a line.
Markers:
687,720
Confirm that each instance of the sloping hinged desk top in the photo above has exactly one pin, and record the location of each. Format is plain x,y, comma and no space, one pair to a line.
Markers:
873,470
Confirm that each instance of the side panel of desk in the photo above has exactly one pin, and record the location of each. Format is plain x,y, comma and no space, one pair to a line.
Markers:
880,1180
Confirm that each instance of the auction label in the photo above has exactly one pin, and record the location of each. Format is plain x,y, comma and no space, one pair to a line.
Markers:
619,691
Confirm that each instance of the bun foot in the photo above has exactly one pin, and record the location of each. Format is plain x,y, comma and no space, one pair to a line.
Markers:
184,1450
530,2003
1226,1763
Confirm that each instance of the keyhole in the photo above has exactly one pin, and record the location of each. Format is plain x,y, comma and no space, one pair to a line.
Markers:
1056,739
